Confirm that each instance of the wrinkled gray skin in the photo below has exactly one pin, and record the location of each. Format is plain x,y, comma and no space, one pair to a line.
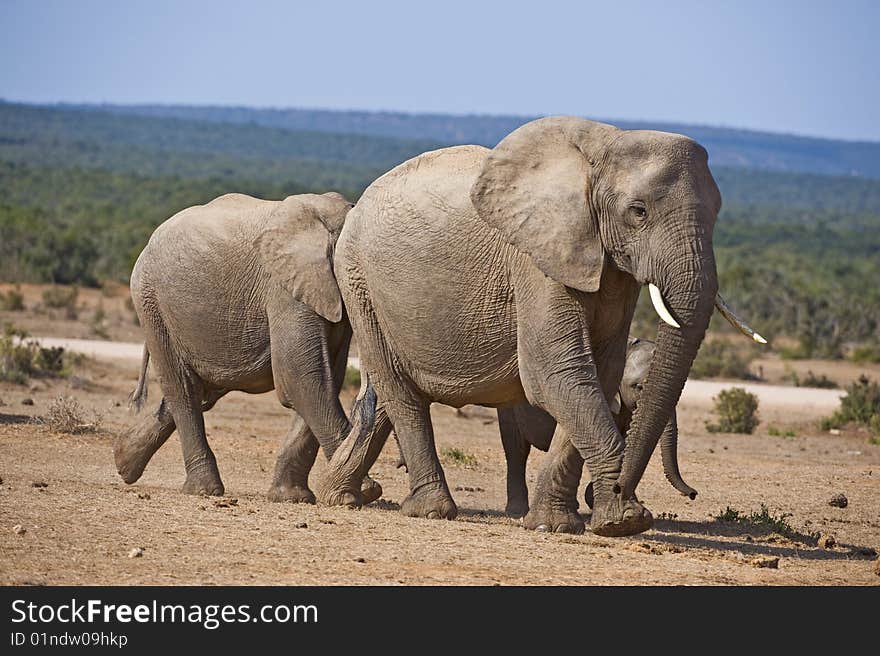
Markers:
519,432
239,294
503,276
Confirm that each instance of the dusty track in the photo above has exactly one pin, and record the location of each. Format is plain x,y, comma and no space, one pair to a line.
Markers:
820,401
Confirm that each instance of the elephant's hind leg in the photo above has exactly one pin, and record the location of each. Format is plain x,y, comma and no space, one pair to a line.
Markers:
555,506
516,453
134,449
184,395
429,495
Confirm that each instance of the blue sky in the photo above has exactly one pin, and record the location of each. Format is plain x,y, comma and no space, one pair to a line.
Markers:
803,67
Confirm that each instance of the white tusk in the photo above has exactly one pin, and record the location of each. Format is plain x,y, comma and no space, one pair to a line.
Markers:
735,321
660,306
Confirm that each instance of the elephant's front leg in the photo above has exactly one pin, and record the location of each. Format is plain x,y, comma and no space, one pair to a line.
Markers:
563,373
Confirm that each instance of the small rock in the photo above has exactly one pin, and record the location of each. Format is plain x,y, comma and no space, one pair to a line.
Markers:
137,552
27,401
749,538
827,541
711,450
769,562
225,503
360,560
838,501
300,525
39,484
144,495
18,529
834,431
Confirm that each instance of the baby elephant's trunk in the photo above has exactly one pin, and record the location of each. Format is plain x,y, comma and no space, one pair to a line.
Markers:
669,452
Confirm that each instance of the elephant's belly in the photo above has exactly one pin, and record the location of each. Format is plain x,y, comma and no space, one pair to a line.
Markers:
245,372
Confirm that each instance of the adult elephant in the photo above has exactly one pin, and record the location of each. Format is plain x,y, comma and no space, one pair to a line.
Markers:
239,294
523,427
508,275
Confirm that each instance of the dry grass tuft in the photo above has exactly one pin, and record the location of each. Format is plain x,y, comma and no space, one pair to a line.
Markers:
67,415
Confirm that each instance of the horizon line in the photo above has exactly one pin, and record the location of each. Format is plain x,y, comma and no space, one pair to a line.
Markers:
352,110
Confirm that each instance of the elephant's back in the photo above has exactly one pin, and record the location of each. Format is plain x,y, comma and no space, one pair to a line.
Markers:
437,275
200,276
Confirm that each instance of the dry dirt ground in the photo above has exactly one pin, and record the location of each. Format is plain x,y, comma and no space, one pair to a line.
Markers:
81,521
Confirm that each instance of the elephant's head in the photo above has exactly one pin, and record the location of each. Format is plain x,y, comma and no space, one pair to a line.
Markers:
578,196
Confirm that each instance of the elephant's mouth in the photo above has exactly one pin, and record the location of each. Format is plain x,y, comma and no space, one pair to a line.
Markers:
722,306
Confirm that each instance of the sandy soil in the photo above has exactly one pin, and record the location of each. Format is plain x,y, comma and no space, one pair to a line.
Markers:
81,521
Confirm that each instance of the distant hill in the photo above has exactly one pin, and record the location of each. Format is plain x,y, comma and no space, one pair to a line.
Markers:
727,146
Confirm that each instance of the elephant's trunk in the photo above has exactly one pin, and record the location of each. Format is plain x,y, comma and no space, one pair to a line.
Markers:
669,452
689,286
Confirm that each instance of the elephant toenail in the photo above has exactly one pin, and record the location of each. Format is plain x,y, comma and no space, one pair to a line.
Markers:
542,528
433,515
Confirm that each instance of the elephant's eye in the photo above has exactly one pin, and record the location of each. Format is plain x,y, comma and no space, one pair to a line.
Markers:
639,211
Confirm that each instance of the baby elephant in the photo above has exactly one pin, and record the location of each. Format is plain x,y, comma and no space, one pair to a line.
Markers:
523,427
239,294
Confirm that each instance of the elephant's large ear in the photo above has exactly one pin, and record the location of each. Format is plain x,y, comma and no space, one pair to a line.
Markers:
296,248
535,189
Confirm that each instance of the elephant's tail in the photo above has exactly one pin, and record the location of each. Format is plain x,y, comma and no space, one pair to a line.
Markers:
363,413
138,397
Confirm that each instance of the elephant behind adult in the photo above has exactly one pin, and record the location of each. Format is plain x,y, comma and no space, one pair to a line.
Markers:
239,294
523,427
500,276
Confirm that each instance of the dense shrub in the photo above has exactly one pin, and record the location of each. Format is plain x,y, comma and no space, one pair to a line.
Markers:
860,405
737,412
62,298
12,301
22,358
811,380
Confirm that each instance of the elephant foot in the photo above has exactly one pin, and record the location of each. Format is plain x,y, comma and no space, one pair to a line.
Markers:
430,501
131,456
291,494
614,517
370,490
517,507
554,517
204,483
